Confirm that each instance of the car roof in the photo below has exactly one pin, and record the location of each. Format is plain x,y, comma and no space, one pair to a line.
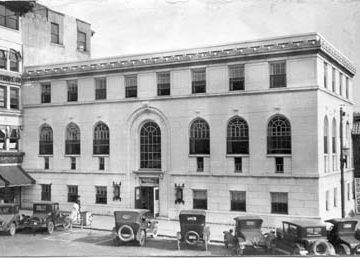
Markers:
248,217
192,212
306,223
140,211
45,202
338,220
8,204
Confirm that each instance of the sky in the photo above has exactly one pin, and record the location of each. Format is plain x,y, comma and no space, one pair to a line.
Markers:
141,26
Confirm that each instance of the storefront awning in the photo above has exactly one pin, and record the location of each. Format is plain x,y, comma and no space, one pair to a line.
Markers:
11,176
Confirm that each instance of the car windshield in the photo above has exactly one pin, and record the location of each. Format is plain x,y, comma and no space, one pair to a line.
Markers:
5,210
192,219
347,226
126,216
40,208
314,231
249,224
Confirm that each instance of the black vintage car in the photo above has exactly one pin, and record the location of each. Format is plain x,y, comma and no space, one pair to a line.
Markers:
46,214
193,229
248,236
342,236
306,237
9,218
134,225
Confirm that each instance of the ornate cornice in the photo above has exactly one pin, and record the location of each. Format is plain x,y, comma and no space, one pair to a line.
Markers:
289,44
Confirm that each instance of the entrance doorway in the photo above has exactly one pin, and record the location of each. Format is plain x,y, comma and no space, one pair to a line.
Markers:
147,197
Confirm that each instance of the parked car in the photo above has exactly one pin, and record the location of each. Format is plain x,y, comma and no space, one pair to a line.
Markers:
134,225
248,235
342,236
306,237
193,229
9,218
47,215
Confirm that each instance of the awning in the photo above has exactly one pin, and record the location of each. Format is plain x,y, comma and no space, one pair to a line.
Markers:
11,176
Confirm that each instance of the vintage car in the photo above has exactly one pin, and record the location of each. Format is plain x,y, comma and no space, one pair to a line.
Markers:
342,236
46,214
306,237
9,218
248,236
193,229
134,225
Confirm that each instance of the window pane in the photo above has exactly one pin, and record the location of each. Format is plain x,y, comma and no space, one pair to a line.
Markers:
150,146
237,137
279,136
199,137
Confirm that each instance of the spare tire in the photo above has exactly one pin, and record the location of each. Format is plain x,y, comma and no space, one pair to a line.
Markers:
126,233
192,237
320,247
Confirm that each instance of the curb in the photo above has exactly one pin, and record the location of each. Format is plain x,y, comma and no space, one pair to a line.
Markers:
160,235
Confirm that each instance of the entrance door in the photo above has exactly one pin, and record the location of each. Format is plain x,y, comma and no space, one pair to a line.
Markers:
156,202
144,198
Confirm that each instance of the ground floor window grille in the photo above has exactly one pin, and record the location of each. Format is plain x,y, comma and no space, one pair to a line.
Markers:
200,199
279,203
72,193
101,195
238,200
46,192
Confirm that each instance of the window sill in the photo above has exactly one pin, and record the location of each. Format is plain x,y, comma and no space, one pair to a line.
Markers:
199,155
72,155
57,44
278,155
237,155
101,155
46,155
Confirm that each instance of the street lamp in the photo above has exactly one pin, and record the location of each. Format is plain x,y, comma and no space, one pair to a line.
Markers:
342,161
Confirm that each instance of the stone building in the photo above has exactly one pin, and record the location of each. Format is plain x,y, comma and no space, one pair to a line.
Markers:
251,127
28,37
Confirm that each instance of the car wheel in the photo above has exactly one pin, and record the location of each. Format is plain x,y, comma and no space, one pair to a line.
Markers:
50,227
343,250
12,229
142,238
155,232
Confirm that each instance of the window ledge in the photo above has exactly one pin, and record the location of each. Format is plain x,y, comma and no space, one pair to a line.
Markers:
199,155
72,155
101,155
279,155
46,155
57,44
237,155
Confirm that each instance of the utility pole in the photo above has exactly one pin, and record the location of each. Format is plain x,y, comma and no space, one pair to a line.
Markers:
342,160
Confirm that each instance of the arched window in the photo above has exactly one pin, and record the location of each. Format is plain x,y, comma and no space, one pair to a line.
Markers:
279,136
199,137
326,135
46,140
14,57
72,141
101,139
237,136
333,139
150,146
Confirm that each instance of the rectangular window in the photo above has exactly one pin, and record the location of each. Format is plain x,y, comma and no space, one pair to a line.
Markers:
131,86
100,88
46,163
198,78
340,84
46,192
347,87
81,41
8,18
238,200
72,87
335,197
200,164
325,75
278,74
163,83
45,93
279,165
348,191
200,199
333,80
72,193
279,203
3,59
327,196
55,34
72,163
14,57
238,164
101,163
14,98
101,195
3,97
236,77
